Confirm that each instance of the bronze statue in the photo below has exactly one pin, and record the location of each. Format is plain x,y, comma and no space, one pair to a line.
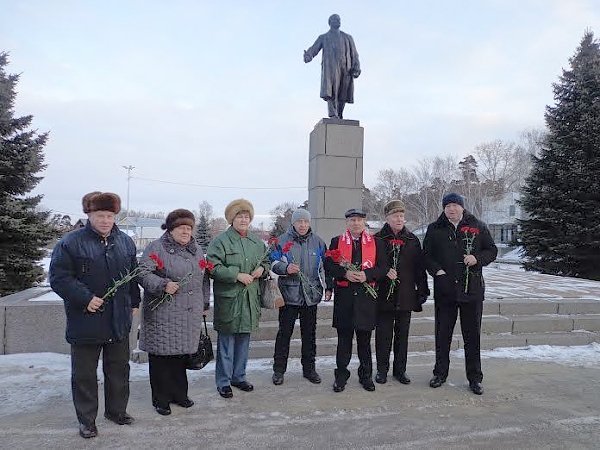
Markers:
339,66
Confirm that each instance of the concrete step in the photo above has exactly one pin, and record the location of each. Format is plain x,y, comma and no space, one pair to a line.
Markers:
502,307
555,322
327,346
424,326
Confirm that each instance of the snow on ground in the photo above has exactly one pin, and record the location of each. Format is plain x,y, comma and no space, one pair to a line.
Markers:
45,263
28,380
515,255
580,356
47,297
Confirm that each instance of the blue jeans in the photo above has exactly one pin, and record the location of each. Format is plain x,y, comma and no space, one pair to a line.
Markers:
232,357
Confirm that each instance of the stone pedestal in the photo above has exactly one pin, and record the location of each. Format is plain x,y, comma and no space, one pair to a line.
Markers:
335,174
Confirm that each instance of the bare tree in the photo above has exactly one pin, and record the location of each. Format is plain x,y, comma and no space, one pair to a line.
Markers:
495,166
205,209
530,144
283,217
217,226
392,184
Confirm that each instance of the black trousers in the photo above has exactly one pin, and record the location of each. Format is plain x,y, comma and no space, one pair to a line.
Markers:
392,326
308,323
168,379
84,382
344,354
470,324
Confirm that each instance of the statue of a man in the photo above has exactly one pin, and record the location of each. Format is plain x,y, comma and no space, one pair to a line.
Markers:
339,66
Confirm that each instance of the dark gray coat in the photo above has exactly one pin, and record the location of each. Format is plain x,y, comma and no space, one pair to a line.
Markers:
173,328
308,252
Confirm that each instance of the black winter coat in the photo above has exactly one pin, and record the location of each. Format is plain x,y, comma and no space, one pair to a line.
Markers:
445,247
84,264
353,306
411,289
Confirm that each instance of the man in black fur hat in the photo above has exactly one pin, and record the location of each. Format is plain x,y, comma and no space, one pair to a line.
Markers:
456,246
84,264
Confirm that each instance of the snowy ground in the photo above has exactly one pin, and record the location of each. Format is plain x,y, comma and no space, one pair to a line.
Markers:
536,397
30,379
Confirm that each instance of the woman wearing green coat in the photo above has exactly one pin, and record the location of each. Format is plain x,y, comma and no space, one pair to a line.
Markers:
239,260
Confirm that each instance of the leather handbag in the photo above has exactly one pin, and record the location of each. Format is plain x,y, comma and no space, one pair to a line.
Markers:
204,355
270,295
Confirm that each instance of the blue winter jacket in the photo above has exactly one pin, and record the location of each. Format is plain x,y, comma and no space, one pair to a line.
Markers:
84,264
308,252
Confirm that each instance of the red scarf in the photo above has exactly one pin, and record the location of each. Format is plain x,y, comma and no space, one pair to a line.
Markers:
368,251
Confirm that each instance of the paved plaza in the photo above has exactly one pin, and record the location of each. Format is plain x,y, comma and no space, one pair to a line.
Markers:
527,404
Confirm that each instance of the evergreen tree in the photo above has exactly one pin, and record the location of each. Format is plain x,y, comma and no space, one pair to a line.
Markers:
203,233
23,229
561,235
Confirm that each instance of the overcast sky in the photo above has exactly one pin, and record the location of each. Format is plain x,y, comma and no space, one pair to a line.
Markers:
217,93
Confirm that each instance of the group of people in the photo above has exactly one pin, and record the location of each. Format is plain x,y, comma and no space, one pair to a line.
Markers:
375,281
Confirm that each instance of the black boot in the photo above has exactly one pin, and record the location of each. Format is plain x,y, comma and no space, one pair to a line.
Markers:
312,376
88,431
381,378
476,387
277,378
367,384
436,381
402,378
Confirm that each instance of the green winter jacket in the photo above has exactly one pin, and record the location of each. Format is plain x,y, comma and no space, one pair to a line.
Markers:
236,310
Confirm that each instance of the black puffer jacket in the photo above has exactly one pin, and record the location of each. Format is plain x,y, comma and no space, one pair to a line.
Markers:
411,290
83,265
445,247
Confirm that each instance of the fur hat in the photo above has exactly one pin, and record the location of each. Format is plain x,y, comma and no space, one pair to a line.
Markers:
177,218
101,201
453,198
85,201
236,207
299,214
393,206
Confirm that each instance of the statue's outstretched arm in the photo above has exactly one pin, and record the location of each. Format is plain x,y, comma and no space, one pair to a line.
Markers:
313,50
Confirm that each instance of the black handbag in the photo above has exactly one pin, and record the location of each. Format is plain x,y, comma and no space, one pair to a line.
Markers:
204,355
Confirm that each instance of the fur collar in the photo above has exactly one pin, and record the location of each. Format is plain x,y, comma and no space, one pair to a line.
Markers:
172,246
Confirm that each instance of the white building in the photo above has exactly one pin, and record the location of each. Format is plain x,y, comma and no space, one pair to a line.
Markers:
501,217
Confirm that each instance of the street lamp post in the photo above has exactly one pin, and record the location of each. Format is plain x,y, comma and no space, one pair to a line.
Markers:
128,169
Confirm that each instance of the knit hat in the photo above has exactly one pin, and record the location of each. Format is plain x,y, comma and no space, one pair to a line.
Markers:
85,201
299,214
453,198
101,201
236,207
177,218
393,206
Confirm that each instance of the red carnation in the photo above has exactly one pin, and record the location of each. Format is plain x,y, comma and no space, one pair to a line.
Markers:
206,265
334,254
287,247
397,242
465,229
160,265
474,230
273,241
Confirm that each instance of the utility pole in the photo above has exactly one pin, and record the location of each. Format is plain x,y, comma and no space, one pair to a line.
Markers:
128,169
